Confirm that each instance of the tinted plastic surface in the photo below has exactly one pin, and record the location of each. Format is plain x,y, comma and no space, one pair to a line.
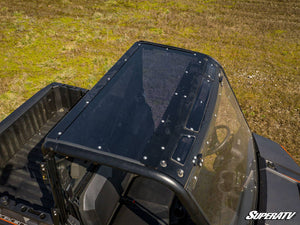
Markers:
225,184
143,105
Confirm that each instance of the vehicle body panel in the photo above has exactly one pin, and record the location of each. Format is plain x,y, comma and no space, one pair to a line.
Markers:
279,180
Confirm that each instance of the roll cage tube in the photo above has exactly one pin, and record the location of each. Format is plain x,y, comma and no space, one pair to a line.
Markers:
162,116
184,196
59,212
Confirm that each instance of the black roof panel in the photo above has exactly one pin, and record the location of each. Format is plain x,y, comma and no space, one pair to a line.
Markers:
145,107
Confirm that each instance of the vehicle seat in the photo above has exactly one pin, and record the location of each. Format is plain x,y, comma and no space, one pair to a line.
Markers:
101,196
153,197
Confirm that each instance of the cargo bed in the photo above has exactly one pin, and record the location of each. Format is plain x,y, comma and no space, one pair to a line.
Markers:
21,138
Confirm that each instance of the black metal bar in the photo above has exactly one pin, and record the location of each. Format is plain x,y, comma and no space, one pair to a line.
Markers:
131,166
56,189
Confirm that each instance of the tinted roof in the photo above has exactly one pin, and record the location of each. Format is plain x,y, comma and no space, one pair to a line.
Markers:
148,107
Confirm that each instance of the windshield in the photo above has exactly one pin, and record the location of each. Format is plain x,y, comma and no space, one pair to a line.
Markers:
227,177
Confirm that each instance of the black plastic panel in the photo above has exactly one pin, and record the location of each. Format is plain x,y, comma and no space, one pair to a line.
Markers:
272,151
279,181
183,148
21,136
198,110
122,118
139,110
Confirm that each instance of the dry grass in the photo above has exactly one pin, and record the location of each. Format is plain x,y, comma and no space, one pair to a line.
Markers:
76,42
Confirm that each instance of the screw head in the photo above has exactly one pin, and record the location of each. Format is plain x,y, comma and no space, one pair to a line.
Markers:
180,172
4,200
23,208
163,163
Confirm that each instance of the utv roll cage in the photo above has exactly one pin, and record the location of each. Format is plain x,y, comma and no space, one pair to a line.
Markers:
162,140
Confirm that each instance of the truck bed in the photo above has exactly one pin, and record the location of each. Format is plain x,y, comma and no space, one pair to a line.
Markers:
21,138
21,176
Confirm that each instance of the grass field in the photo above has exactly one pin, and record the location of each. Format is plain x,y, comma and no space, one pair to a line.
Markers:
76,42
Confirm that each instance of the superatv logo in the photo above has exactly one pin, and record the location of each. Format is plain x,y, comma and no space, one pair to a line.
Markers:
254,215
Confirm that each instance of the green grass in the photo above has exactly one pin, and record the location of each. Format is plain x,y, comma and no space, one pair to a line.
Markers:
76,42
